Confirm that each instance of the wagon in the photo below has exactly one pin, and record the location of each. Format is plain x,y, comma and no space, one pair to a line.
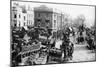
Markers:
62,54
56,54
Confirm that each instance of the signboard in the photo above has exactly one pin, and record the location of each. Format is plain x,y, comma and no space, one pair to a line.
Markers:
41,60
30,50
29,53
31,47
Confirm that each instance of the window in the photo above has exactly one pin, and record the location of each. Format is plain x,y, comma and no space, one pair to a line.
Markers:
39,15
47,21
47,15
54,15
27,22
38,20
15,25
19,23
19,15
24,23
30,22
15,21
24,17
54,23
15,16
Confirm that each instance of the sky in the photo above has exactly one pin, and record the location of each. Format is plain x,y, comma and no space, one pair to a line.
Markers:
72,10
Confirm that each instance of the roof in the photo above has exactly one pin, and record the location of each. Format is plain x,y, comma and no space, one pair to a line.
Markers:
43,8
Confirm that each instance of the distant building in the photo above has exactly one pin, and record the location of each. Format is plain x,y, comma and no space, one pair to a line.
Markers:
60,19
51,17
57,19
43,16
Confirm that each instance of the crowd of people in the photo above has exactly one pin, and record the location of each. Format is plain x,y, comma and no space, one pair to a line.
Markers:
66,49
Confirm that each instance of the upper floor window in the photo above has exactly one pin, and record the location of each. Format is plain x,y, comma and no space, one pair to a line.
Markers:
27,22
19,15
19,23
47,21
54,23
47,15
15,16
54,15
38,20
39,15
24,23
15,24
24,17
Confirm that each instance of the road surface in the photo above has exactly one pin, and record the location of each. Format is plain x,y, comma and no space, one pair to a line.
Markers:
81,52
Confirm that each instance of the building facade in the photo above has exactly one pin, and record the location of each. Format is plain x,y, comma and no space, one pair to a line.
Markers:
57,19
30,16
22,17
43,16
17,16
